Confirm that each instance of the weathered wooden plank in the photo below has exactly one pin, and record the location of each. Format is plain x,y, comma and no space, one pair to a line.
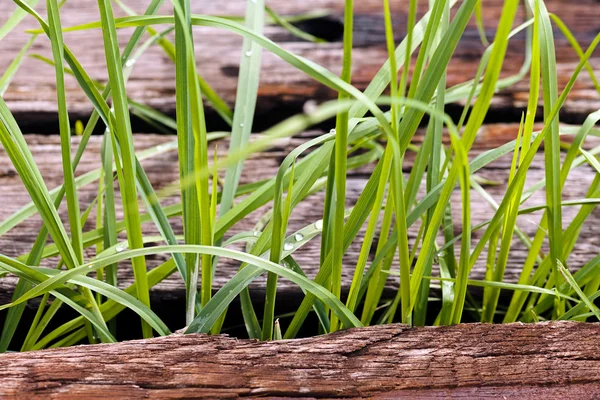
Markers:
282,86
162,170
557,360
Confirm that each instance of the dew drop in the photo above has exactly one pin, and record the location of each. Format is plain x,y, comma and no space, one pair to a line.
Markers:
248,53
310,107
256,233
333,131
288,246
298,237
241,125
129,63
121,247
319,224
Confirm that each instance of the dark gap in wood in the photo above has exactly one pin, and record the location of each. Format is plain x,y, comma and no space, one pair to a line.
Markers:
170,308
329,28
46,123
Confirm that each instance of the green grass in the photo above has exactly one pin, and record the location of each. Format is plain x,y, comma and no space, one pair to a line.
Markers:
393,203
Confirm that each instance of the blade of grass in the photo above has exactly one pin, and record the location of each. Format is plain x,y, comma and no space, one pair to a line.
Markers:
340,165
12,69
573,283
279,227
552,142
122,130
15,18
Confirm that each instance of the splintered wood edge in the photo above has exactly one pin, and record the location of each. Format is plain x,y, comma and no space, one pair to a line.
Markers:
555,359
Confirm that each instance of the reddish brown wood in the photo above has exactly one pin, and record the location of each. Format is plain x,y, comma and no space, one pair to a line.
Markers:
218,55
557,360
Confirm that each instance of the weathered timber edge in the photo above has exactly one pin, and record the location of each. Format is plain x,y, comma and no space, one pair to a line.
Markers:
556,360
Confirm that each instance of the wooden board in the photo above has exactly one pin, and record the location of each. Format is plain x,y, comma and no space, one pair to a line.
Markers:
283,89
163,170
555,360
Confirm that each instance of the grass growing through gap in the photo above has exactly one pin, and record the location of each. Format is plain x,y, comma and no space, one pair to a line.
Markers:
214,202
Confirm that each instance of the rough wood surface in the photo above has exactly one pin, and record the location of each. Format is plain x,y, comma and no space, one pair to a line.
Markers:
163,170
282,86
556,360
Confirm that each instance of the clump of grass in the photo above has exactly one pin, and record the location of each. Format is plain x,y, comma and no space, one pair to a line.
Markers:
546,288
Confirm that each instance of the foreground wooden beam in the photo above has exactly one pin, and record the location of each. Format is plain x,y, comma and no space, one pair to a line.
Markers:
554,360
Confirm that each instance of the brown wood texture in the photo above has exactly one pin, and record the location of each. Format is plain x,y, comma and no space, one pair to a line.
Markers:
557,360
281,85
163,170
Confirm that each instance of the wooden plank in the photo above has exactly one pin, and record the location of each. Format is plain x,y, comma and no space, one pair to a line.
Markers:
283,89
162,170
556,360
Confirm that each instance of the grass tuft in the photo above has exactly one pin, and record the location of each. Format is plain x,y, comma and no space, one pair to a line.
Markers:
403,223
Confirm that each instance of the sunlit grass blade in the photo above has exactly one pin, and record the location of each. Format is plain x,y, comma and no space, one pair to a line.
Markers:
463,269
122,130
552,142
480,26
575,45
246,95
65,130
569,278
278,233
243,117
340,165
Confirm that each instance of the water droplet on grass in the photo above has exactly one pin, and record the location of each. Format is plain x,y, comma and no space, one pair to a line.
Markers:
129,63
256,233
288,246
319,224
248,53
121,247
298,237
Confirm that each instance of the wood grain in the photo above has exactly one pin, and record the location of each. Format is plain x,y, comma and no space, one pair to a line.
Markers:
283,89
163,170
556,360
